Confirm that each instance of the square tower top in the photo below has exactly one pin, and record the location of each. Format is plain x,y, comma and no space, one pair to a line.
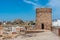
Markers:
44,10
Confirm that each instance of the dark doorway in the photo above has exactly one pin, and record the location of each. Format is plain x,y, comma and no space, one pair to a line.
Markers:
42,26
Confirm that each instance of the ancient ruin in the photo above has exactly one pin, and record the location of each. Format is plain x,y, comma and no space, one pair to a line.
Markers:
43,18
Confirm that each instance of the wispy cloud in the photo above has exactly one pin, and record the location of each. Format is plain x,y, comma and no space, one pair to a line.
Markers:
54,3
35,4
50,4
32,3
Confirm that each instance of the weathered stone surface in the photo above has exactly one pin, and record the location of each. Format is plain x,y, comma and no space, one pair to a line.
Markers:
43,18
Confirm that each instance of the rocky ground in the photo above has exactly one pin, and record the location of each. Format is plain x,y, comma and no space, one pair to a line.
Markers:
46,35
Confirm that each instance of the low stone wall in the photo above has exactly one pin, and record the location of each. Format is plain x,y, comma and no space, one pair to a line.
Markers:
59,32
56,30
34,31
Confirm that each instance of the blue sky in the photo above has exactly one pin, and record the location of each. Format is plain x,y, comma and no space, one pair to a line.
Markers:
25,9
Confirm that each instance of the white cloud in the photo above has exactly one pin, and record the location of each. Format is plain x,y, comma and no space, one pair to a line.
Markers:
51,4
54,3
35,5
30,2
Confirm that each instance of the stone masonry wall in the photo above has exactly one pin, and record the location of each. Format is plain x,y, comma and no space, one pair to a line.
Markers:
43,16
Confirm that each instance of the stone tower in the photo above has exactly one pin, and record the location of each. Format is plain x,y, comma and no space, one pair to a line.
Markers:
43,18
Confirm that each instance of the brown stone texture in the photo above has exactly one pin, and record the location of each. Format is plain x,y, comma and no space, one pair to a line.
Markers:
1,30
1,27
56,30
59,31
43,18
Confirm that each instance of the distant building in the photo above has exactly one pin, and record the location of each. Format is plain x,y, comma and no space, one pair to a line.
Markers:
56,27
56,23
